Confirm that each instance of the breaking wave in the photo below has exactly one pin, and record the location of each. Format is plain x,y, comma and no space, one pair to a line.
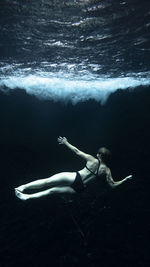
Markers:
74,89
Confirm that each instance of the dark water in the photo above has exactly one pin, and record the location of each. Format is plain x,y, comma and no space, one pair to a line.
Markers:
79,69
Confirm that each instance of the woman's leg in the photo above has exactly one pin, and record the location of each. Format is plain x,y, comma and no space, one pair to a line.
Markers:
54,190
60,179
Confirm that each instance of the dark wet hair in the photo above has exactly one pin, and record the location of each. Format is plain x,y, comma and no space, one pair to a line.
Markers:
105,154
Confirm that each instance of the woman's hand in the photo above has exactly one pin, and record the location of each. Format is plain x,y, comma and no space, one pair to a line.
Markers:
129,177
62,140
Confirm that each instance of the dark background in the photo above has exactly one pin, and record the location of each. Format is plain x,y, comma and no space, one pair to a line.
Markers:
93,228
102,39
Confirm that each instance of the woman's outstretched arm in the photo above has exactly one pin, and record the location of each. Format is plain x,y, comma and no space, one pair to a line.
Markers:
114,184
64,141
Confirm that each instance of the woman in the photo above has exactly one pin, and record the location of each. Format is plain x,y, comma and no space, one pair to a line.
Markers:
72,182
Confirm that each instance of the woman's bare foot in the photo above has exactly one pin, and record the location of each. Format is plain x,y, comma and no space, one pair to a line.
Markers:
21,195
20,188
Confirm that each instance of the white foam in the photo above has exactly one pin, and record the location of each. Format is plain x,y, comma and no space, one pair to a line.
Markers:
59,88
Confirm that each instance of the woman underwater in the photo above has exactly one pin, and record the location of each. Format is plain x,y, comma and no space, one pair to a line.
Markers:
73,182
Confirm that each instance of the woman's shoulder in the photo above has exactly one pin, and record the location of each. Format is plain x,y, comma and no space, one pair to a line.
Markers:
92,160
103,169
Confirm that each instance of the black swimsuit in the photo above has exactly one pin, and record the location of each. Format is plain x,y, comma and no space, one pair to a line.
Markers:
78,184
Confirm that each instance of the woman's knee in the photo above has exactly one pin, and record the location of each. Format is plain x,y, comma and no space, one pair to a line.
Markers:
62,190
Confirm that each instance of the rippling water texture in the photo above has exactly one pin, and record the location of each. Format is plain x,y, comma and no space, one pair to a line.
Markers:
62,52
74,40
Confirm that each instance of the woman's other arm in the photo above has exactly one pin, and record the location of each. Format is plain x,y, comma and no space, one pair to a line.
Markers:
114,184
64,141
